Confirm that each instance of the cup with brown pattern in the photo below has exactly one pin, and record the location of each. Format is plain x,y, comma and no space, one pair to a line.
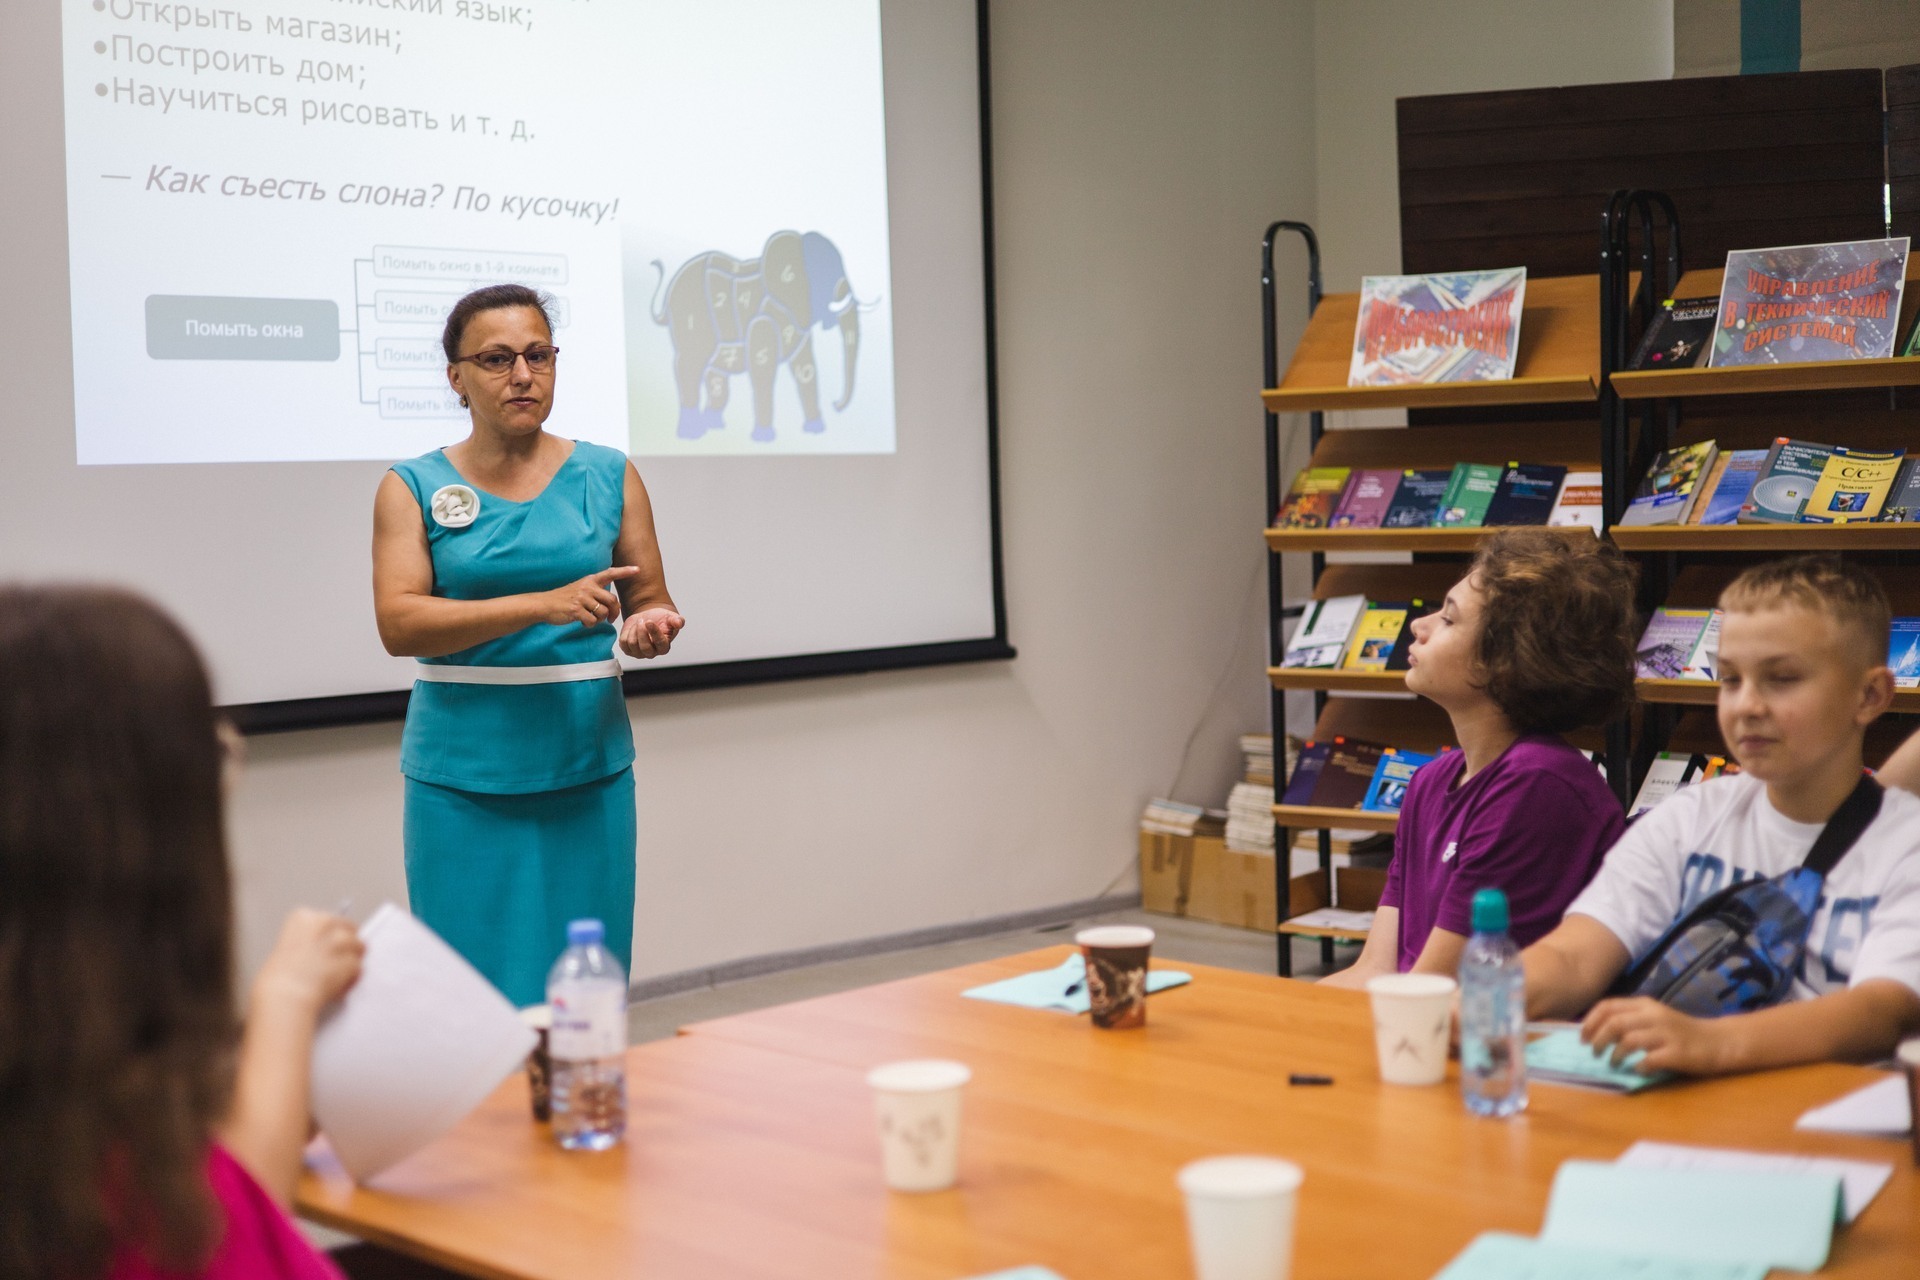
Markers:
1116,956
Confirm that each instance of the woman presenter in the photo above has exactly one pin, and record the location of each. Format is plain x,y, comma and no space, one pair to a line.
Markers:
502,563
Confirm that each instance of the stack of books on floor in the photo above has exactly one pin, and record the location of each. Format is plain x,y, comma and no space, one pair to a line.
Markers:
1791,482
1257,748
1172,818
1250,818
1468,495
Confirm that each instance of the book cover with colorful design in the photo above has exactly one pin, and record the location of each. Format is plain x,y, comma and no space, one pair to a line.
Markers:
1306,772
1388,789
1838,301
1374,637
1728,486
1348,773
1457,326
1678,334
1903,653
1310,502
1364,504
1667,644
1417,500
1853,486
1321,637
1526,493
1787,477
1469,490
1666,492
1903,504
1580,502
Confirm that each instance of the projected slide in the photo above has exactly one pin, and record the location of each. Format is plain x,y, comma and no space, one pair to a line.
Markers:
270,210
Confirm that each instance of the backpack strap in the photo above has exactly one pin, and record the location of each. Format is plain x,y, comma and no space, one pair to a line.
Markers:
1855,814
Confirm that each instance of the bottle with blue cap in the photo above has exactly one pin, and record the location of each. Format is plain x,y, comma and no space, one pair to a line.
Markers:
587,992
1493,1013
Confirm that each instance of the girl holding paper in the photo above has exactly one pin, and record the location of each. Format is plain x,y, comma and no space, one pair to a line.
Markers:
132,1144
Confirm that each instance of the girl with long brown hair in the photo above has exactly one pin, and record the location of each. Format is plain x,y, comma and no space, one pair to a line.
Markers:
143,1132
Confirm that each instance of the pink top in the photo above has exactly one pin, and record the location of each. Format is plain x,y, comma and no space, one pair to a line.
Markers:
259,1243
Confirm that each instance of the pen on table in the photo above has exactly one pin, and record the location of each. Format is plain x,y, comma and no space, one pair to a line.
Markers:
1302,1078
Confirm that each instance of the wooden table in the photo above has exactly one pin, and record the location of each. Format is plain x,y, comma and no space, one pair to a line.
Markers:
751,1152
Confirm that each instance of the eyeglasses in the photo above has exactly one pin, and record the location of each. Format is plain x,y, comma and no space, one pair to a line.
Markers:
539,359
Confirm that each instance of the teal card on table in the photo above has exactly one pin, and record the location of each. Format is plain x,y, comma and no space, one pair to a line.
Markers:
1063,988
1704,1215
1561,1058
1496,1256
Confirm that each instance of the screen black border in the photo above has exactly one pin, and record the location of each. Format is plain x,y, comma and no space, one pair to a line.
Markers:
365,708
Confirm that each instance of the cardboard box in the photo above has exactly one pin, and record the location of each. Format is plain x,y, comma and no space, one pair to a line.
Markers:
1199,878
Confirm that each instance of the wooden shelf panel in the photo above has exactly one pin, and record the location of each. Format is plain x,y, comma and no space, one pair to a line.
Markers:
1310,931
1570,444
1770,537
1559,358
1414,723
1313,817
1388,581
1336,679
1814,375
1690,692
1393,539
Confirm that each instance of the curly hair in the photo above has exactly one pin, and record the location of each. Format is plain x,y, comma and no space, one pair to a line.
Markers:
1821,584
1556,628
117,1022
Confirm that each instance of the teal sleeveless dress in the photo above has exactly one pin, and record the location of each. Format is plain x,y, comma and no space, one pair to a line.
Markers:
519,797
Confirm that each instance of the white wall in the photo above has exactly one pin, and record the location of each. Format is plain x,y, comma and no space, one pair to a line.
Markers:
1140,150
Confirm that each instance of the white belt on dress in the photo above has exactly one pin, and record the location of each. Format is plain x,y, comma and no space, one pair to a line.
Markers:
604,669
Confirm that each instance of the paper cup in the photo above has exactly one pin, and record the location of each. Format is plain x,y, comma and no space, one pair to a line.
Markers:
1116,957
540,1062
1240,1212
917,1105
1909,1055
1411,1015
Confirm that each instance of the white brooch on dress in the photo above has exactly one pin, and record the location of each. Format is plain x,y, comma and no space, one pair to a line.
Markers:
455,506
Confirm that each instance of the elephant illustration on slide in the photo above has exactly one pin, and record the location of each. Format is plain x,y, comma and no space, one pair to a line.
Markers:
731,315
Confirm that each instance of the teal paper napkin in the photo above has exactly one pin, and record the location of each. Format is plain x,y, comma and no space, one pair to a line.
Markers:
1704,1215
1048,988
1496,1256
1561,1058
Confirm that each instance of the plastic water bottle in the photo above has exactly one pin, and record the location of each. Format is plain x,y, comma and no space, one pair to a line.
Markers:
1493,1013
588,1043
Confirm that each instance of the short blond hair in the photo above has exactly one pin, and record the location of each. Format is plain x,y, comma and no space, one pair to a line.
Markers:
1821,584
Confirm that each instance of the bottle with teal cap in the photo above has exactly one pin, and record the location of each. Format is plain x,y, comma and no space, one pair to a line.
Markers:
1493,1013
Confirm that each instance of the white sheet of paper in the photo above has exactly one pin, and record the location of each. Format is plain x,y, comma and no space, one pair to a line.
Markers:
417,1043
1879,1109
1860,1180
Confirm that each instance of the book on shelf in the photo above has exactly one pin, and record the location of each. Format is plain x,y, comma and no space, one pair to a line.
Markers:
1853,486
1311,500
1790,305
1903,503
1913,342
1787,477
1364,503
1416,501
1387,790
1677,335
1457,326
1416,610
1348,773
1727,486
1306,772
1666,493
1249,826
1525,493
1581,501
1667,644
1175,818
1704,662
1672,770
1374,636
1470,488
1321,638
1903,653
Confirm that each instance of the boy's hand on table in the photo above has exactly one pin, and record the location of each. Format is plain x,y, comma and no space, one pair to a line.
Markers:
1673,1041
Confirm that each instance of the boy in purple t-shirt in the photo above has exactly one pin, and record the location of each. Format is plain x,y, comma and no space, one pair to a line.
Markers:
1535,640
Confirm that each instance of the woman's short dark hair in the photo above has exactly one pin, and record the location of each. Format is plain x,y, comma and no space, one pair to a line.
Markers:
494,297
117,1021
1556,628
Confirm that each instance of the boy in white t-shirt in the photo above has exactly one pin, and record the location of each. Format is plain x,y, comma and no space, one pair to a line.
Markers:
1802,674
